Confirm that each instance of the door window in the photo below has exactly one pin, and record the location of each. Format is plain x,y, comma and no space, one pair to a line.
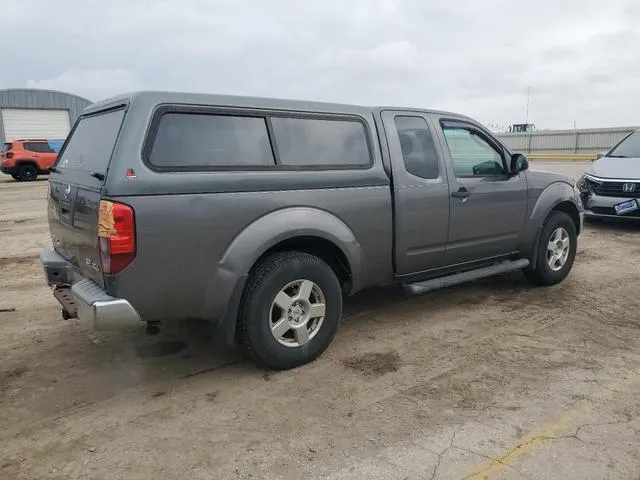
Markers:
418,150
471,154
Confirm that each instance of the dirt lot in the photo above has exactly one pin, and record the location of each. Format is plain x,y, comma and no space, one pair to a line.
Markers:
490,380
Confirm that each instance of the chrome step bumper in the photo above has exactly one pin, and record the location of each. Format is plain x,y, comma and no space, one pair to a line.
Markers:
84,299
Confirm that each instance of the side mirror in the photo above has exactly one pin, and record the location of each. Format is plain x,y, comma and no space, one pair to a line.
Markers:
519,163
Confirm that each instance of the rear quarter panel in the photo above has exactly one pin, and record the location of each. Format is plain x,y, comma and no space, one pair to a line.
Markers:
182,239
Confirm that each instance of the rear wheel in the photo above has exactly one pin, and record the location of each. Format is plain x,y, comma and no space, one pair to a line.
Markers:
556,250
27,173
290,311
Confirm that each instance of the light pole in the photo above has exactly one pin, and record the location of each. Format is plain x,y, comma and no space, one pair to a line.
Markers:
528,100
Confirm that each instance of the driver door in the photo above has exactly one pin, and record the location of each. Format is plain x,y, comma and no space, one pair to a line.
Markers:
488,205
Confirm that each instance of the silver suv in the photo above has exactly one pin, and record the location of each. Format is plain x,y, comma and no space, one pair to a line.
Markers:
259,215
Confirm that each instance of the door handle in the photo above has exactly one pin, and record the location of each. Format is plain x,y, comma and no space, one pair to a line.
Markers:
462,193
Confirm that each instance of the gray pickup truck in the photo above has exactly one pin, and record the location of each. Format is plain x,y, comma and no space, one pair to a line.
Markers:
259,215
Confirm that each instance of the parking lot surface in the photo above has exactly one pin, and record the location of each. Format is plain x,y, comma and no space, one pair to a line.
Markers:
494,379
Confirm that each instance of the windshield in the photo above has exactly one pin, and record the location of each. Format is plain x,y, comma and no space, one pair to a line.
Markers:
628,148
92,142
6,147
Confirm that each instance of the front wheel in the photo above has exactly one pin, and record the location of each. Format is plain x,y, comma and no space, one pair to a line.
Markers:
556,250
290,311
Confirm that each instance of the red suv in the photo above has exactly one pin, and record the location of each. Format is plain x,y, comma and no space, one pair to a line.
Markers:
24,160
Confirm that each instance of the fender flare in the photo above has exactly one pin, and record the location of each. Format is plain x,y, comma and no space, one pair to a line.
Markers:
265,233
552,196
275,227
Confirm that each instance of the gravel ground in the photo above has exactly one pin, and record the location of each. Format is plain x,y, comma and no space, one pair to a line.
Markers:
494,379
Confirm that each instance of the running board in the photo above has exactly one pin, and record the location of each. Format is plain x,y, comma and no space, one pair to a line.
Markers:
469,276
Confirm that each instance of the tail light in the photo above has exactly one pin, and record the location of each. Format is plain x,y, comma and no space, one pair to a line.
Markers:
117,236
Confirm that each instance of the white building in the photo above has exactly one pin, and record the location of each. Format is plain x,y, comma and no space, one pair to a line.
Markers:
30,113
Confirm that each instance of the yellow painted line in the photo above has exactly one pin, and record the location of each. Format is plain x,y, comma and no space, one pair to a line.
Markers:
547,432
530,444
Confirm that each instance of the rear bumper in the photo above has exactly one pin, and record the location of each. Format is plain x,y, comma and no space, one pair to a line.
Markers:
8,170
83,299
597,206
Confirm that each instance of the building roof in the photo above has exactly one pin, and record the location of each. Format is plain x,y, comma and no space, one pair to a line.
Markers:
42,91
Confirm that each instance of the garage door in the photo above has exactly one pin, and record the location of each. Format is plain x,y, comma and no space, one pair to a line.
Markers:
34,123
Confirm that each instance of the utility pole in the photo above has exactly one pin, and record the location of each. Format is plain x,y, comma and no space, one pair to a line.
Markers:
528,100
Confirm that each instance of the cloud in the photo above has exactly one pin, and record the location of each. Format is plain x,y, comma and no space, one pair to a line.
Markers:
93,84
478,58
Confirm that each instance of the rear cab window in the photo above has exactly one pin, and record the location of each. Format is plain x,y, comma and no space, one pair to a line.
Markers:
91,142
215,141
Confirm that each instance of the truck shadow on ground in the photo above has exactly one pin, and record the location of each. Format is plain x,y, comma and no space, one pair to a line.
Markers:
195,343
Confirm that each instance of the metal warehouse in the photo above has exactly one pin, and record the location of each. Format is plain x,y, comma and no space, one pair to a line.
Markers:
30,113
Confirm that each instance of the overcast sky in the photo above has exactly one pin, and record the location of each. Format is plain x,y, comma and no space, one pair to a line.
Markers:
477,57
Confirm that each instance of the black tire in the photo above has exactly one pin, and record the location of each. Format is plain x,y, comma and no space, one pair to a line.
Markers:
14,176
257,312
27,173
541,273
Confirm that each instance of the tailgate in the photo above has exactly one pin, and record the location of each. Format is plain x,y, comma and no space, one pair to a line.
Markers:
75,190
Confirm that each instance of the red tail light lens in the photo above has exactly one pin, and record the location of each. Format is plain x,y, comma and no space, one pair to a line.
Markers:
117,235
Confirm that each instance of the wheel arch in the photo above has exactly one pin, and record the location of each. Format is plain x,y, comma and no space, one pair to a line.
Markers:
557,196
561,205
320,247
570,209
27,161
303,229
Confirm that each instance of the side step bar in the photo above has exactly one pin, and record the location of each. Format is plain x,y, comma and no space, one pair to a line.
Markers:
469,276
